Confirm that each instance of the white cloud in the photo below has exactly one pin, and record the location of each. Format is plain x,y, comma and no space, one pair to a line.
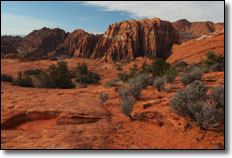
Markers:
168,10
18,24
84,19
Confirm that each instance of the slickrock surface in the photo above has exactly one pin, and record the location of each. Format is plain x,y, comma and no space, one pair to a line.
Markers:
34,118
192,51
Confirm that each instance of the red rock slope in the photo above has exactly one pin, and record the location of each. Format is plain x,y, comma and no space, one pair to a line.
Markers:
192,51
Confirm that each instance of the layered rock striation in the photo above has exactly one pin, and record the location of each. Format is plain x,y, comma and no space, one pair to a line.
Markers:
127,39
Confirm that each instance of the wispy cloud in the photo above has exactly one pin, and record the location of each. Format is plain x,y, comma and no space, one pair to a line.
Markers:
18,24
168,10
84,19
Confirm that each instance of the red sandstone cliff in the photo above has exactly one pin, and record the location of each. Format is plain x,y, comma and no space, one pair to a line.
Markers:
125,39
197,28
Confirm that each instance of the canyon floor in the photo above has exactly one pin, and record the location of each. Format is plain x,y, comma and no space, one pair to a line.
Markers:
33,118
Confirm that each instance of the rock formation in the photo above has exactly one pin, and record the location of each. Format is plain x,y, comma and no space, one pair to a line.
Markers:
197,28
126,39
9,44
121,40
40,42
193,50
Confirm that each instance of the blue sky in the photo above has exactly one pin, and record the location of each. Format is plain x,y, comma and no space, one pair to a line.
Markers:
94,16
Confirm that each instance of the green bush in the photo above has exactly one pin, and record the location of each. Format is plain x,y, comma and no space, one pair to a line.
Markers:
85,76
43,80
212,59
159,67
111,83
89,78
60,76
6,78
181,64
32,72
82,68
216,67
124,77
23,81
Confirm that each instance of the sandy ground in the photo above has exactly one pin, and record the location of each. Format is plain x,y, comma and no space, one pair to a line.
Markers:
35,118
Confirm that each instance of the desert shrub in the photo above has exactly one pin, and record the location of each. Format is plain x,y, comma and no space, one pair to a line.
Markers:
82,68
159,67
146,68
85,76
23,81
143,79
208,115
122,93
6,78
191,102
43,80
32,72
170,74
217,95
60,76
119,68
216,67
212,59
111,83
127,106
135,67
103,97
138,83
159,82
89,78
181,64
84,85
124,77
187,78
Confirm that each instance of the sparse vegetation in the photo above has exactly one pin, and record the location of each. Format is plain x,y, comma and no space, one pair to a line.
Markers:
192,102
217,95
159,67
32,72
58,77
187,78
138,83
127,106
85,76
6,78
216,67
103,97
124,77
212,59
111,83
23,81
181,64
160,82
